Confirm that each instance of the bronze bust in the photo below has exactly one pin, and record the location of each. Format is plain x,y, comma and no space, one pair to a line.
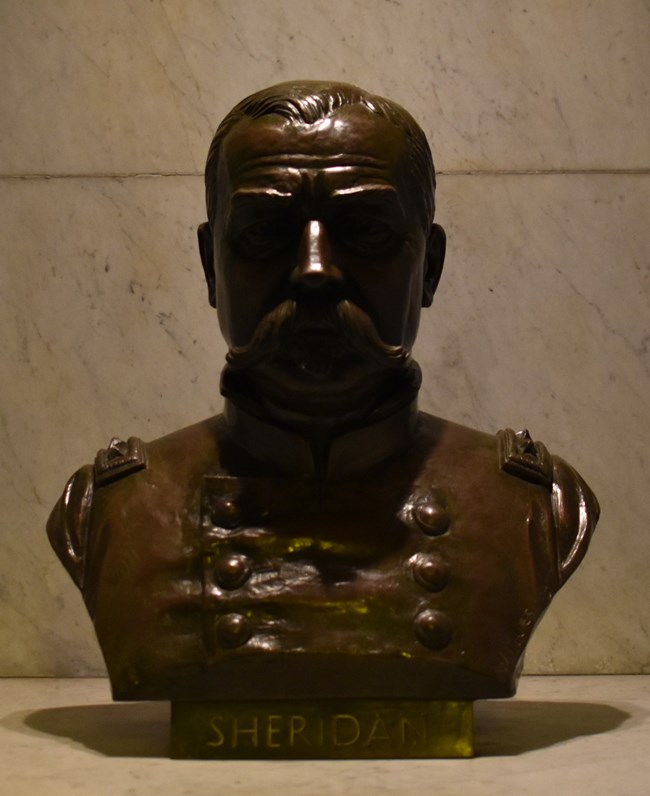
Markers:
321,538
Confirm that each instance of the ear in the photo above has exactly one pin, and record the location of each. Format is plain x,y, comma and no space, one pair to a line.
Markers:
435,258
207,258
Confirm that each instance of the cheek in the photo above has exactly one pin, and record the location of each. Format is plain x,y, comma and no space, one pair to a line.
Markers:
224,309
412,321
393,292
415,298
231,310
245,293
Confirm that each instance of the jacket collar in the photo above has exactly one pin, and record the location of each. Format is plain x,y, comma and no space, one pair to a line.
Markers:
348,452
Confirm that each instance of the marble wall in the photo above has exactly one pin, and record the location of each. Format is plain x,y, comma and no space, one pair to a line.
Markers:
538,116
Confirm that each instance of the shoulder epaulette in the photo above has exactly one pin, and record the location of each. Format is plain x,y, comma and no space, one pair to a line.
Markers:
520,456
119,459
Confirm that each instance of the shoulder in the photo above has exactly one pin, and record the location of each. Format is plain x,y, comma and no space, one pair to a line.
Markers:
576,512
127,466
574,506
67,526
508,455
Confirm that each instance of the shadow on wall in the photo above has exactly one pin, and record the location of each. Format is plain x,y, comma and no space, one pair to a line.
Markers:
142,729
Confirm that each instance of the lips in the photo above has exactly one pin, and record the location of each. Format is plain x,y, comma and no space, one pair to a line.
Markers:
315,352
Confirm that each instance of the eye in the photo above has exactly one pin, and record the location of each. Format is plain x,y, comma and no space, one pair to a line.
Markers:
263,238
367,234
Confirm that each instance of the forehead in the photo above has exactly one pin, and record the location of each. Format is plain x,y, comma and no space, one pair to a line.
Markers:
349,142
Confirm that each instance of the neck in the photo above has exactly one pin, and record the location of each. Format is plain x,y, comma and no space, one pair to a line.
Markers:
252,417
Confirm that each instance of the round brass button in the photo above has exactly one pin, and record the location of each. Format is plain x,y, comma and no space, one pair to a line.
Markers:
232,571
226,513
431,517
233,630
431,572
433,629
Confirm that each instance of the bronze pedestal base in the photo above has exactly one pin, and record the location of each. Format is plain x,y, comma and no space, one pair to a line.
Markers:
321,729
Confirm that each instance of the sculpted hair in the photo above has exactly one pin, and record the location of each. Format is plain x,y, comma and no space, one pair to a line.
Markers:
309,102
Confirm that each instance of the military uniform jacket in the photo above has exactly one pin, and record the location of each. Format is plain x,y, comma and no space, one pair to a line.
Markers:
216,565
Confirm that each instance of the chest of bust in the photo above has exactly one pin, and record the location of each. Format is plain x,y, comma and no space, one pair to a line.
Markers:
416,568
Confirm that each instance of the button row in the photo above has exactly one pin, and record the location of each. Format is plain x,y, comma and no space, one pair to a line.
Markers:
433,629
231,572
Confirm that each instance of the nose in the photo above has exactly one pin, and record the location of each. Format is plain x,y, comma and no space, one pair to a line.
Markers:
315,267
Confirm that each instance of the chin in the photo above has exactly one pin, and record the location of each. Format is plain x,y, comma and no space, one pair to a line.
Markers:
319,391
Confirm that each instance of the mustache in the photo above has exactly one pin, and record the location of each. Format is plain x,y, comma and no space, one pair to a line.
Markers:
350,328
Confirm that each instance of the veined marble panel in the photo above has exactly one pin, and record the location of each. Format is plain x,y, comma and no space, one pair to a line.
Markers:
541,319
130,87
108,333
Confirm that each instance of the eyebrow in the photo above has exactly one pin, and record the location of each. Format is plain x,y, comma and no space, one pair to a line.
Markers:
245,194
373,188
273,194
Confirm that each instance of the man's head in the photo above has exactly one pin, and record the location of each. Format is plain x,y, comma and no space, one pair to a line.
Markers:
320,248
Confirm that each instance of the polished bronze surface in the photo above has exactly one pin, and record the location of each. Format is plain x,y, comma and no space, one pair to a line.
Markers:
322,538
321,729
